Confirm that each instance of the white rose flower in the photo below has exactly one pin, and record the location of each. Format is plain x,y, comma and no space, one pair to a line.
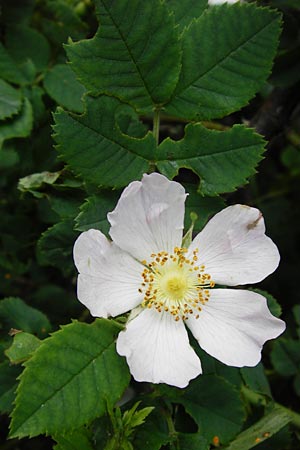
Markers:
169,288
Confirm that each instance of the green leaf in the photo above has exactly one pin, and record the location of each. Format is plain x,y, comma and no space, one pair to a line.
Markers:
224,64
32,183
94,211
192,441
186,10
8,385
77,440
256,380
124,57
285,356
8,68
55,246
153,434
95,148
10,100
204,207
18,126
14,313
23,42
216,407
61,84
24,344
61,21
8,157
260,431
222,159
69,380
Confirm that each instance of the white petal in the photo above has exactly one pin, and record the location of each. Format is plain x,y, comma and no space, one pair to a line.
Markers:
234,248
149,216
157,349
234,325
109,278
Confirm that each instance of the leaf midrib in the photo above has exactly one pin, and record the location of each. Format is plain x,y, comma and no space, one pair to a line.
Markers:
62,387
184,88
129,51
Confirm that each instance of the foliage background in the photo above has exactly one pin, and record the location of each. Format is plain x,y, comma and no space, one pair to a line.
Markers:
44,205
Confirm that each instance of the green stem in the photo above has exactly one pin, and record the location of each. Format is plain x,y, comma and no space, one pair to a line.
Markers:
156,123
259,399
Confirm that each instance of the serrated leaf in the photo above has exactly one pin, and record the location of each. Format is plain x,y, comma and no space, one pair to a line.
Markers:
10,100
222,159
69,380
24,344
224,64
94,211
186,10
285,356
55,246
23,42
15,313
124,57
95,148
61,84
8,68
18,126
260,431
216,407
8,385
77,440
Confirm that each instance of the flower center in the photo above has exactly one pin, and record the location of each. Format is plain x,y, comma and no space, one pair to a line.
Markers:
175,284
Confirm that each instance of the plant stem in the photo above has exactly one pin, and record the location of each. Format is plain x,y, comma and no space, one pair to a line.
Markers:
259,399
156,123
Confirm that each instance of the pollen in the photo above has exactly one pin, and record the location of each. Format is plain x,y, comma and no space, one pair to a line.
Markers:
173,283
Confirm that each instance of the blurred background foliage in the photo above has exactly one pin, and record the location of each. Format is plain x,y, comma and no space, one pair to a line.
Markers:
43,208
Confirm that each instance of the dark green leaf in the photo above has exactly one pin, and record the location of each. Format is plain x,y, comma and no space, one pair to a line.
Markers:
61,84
222,159
94,211
285,356
256,380
216,407
95,148
18,126
10,100
125,56
192,441
224,64
8,68
55,246
186,10
77,440
24,344
262,430
8,385
23,42
69,380
14,313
